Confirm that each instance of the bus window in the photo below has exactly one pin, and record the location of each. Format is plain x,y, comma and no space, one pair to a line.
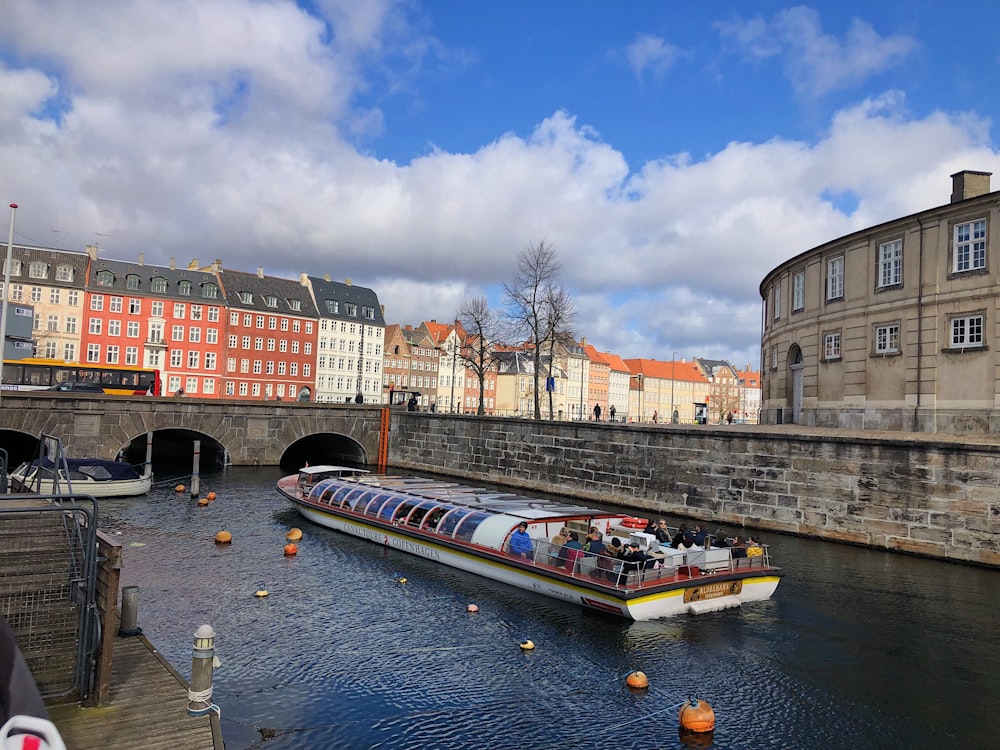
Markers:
12,374
37,376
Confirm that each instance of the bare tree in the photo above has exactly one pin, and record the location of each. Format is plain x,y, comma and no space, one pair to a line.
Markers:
480,329
560,309
536,303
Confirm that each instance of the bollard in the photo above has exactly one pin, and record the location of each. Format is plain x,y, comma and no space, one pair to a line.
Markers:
130,612
202,660
195,479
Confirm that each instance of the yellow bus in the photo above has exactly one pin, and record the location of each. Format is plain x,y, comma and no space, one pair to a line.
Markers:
36,373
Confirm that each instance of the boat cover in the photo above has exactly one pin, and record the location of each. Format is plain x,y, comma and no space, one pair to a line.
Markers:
99,469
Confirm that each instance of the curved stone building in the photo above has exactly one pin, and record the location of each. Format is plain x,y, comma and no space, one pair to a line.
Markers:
894,327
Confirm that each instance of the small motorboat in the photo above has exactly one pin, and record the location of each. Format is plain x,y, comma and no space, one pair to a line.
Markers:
96,477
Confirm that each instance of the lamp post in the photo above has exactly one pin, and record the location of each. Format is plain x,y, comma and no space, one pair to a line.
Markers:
454,357
6,292
673,360
639,399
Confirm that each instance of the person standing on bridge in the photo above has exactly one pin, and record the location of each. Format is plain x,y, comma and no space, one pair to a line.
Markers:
597,412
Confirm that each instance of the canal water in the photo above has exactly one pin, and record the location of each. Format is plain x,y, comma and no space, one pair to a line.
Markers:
857,649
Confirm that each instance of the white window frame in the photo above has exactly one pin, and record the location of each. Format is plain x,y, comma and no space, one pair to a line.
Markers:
835,278
798,291
890,264
970,246
831,346
967,331
886,338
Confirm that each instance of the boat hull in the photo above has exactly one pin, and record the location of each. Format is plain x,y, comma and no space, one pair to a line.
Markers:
693,595
109,488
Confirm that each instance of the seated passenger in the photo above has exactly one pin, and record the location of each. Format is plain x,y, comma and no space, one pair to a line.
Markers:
570,553
699,535
719,540
739,547
520,542
634,559
687,541
679,536
661,532
595,542
754,548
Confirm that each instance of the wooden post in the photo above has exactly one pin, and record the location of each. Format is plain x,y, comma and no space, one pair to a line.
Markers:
109,564
202,661
195,479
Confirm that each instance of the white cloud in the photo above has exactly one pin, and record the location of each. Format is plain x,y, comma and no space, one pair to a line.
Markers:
651,53
818,62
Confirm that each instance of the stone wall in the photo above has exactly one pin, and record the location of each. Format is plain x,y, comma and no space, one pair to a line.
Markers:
930,495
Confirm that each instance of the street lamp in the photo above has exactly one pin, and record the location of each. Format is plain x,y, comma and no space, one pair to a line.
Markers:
638,379
6,292
454,357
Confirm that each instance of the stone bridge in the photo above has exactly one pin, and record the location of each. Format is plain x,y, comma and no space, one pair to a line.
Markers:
248,433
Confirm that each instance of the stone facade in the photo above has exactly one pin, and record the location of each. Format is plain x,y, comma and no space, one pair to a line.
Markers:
918,494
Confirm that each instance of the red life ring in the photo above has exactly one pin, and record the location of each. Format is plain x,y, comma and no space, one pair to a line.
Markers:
631,522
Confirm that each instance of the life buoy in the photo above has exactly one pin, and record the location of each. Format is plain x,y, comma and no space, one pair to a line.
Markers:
631,522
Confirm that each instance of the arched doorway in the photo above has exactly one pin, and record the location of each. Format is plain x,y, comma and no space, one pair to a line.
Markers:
794,380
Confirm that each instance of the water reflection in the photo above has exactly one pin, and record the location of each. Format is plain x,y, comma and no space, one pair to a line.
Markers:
857,649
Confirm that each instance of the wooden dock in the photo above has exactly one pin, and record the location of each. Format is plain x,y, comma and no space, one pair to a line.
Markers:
146,708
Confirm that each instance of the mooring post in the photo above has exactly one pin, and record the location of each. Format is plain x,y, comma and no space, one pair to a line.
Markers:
130,612
202,661
195,479
148,468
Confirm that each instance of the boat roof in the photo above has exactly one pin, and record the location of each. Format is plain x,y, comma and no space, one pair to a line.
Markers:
101,469
479,498
327,468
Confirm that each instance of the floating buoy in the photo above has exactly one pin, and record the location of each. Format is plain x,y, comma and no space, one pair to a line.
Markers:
294,535
527,645
210,496
223,537
179,488
637,680
472,608
260,593
400,580
202,502
291,550
697,716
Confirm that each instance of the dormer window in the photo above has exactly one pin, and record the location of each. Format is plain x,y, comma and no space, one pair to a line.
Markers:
210,290
104,278
132,281
158,284
245,297
15,267
294,304
332,306
368,312
64,273
351,309
38,270
184,287
270,300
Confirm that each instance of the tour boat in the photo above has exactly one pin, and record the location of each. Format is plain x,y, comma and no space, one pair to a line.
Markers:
96,477
470,529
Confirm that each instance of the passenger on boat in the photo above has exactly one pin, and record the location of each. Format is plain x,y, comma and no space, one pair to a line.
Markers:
595,542
661,532
719,540
739,547
520,542
687,541
614,549
754,548
679,536
699,535
634,559
570,552
561,538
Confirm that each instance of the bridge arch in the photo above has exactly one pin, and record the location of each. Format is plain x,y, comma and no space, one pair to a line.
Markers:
323,448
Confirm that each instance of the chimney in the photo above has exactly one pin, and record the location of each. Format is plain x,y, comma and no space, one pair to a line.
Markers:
142,259
92,251
304,279
968,184
326,277
193,265
260,272
347,282
173,264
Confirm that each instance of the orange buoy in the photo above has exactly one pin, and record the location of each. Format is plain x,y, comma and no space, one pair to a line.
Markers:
527,645
223,537
472,608
291,550
632,522
294,535
637,680
202,502
179,488
697,716
210,496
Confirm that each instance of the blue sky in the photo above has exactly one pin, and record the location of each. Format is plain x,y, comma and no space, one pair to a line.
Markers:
673,153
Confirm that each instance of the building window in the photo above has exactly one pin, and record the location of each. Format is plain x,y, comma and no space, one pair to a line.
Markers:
36,294
970,246
213,315
156,309
184,288
105,278
967,332
196,312
115,328
93,352
173,384
134,306
52,323
351,309
256,390
230,387
15,267
191,385
132,329
16,293
777,301
798,291
890,264
54,296
835,278
158,284
69,352
50,349
112,354
271,300
210,291
70,325
212,336
208,386
295,304
245,297
209,360
247,320
831,346
887,339
64,273
260,321
332,306
774,360
74,299
39,270
131,355
95,326
177,333
176,357
131,281
97,302
194,358
194,335
115,304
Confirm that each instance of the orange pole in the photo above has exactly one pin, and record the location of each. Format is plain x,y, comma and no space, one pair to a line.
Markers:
383,440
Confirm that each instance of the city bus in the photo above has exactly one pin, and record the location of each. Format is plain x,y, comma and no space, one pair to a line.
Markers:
35,373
